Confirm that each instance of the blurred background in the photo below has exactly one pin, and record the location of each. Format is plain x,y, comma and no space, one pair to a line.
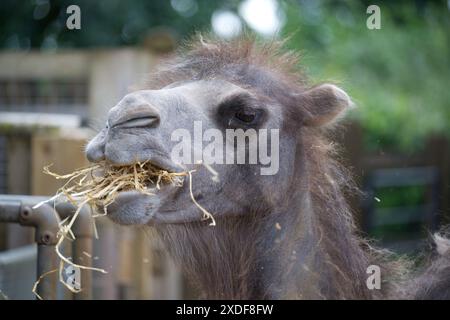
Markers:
57,84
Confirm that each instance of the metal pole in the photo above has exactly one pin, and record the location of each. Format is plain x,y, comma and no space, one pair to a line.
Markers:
15,209
46,262
10,210
46,223
18,209
82,246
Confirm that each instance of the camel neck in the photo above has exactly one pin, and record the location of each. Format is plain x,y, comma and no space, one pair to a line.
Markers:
290,255
271,256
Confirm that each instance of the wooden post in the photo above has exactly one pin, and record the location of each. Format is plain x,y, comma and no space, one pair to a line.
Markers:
142,266
437,153
18,182
352,145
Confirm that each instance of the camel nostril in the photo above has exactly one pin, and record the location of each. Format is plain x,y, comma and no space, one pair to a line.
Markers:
145,121
134,116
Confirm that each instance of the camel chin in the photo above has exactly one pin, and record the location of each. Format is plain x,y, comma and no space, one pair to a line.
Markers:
133,208
167,205
137,208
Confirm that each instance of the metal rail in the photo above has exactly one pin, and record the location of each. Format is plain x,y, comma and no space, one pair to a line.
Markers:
82,246
18,209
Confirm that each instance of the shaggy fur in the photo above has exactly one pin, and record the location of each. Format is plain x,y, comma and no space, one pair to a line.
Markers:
280,252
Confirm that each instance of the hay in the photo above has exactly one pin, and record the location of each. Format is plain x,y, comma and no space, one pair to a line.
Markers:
98,186
36,284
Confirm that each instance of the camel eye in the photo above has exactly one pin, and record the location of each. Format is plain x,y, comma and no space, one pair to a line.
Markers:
240,111
245,116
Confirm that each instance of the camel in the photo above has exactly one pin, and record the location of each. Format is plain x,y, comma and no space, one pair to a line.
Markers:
290,235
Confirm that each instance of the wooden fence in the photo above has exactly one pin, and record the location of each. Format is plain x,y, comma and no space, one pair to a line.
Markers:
406,196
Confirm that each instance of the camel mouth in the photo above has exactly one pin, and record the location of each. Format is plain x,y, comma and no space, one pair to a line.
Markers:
149,176
160,176
146,186
152,185
131,193
159,163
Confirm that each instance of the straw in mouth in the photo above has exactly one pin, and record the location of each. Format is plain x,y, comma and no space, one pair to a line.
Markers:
99,185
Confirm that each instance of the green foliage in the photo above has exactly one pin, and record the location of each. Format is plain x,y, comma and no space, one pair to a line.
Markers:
104,23
398,75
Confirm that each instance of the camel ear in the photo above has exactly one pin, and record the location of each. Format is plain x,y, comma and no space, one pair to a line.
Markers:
325,104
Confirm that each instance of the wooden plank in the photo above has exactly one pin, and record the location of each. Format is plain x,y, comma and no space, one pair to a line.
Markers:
65,153
142,265
105,256
18,182
38,65
438,154
18,163
125,261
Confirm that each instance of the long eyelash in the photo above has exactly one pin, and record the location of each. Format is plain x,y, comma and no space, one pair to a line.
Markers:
241,99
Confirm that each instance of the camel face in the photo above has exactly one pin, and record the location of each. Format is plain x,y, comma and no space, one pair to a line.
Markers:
208,95
148,125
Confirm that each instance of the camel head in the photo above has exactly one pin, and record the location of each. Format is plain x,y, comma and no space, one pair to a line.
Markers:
201,108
